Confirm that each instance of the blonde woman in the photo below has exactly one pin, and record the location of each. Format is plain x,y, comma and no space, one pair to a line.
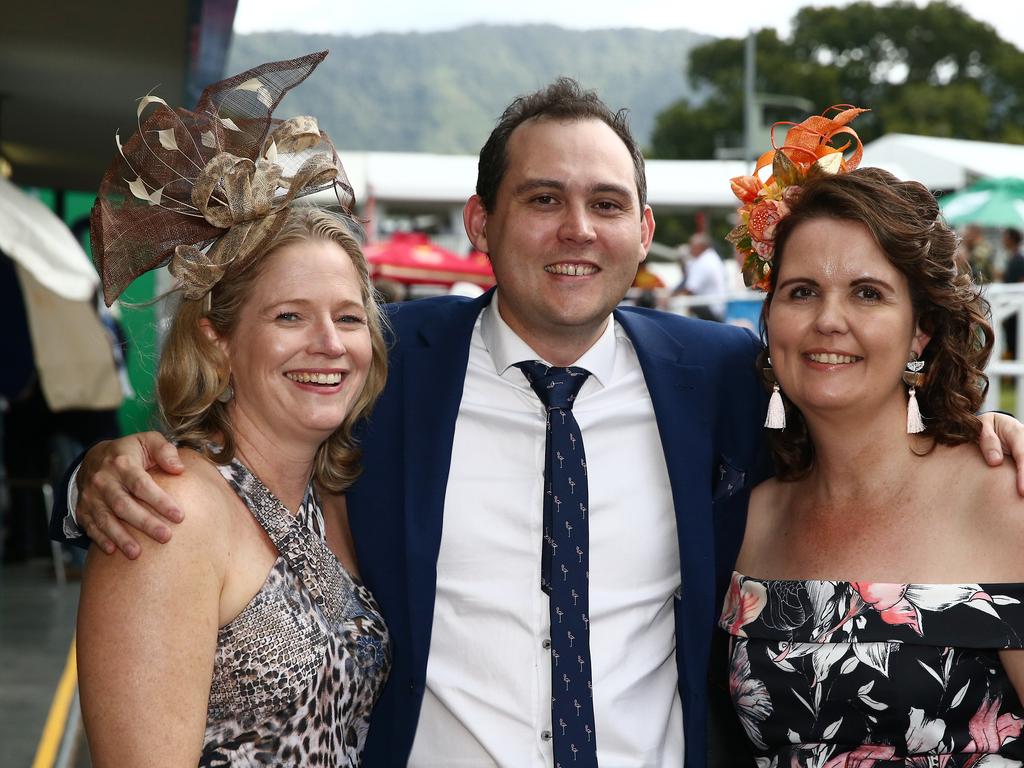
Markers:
249,638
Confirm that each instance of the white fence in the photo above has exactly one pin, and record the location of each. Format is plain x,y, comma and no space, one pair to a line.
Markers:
1006,300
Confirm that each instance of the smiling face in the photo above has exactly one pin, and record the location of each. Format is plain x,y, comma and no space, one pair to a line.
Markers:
841,324
566,234
301,348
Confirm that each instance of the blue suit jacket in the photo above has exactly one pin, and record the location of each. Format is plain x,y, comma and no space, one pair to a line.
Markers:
708,404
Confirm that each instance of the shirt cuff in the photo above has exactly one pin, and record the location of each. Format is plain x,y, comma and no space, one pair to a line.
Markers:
70,524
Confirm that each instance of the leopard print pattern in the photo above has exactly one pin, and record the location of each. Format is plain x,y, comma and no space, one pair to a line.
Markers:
297,672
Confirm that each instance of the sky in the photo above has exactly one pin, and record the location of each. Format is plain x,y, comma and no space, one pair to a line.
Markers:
363,17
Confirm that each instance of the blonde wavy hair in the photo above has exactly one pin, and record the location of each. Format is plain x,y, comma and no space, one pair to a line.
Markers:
193,371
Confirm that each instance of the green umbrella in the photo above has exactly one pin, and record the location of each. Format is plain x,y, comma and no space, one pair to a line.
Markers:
988,203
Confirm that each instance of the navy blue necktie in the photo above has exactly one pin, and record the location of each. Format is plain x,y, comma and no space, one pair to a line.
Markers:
565,566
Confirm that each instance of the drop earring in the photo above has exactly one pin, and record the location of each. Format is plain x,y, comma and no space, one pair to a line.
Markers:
776,418
913,377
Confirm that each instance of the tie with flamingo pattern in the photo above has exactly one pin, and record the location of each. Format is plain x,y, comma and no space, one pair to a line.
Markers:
565,565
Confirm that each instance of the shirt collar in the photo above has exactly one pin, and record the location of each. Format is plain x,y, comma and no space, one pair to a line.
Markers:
506,348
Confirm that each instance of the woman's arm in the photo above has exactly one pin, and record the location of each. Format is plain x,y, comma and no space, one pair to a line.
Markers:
147,633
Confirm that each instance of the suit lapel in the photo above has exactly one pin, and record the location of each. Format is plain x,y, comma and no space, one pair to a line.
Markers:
434,370
678,393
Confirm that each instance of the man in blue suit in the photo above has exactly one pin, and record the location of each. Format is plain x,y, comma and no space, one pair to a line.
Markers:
447,516
448,525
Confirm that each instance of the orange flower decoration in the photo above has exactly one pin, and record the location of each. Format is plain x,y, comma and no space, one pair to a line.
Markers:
766,201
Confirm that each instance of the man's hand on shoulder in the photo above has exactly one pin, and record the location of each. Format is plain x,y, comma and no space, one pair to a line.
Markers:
117,496
1002,434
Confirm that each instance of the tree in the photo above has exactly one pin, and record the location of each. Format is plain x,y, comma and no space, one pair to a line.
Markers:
931,70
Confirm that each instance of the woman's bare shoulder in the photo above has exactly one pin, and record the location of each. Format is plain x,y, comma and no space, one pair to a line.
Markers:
190,565
200,490
978,487
199,472
765,511
1001,504
206,502
991,512
768,498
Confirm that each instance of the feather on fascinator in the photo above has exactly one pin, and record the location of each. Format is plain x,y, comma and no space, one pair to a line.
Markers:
765,201
199,190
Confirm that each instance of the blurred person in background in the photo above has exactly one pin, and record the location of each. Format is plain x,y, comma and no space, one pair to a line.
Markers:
1014,274
705,276
1014,256
979,254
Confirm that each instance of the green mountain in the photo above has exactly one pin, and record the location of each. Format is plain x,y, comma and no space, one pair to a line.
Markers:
442,91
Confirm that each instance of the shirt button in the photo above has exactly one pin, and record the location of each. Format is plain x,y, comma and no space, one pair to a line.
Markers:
545,644
546,735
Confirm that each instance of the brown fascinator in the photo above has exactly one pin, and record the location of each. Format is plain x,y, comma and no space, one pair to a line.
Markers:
200,190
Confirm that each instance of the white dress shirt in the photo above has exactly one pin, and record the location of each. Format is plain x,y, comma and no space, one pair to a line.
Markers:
488,682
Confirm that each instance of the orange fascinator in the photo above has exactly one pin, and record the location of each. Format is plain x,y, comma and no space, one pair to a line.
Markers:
765,201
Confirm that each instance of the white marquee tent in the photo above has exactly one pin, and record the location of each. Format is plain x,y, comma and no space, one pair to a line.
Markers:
944,164
410,180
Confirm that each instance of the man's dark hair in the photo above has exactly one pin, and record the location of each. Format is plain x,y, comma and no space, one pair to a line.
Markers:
564,99
1013,235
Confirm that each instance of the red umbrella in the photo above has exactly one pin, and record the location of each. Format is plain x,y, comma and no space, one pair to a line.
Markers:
410,257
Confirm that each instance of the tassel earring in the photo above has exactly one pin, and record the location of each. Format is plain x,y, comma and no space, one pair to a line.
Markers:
913,377
776,418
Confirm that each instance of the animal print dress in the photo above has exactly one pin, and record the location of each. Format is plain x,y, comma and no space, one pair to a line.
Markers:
297,672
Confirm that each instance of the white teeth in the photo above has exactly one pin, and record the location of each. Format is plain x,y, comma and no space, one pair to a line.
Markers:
574,270
831,358
315,378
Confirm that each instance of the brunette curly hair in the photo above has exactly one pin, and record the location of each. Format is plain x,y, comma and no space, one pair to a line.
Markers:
903,217
193,370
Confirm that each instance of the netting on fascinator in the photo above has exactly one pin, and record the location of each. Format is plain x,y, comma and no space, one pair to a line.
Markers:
807,148
199,190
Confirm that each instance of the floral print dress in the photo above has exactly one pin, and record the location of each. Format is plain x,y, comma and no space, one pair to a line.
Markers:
826,674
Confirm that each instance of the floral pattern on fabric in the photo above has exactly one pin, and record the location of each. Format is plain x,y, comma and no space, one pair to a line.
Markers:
834,674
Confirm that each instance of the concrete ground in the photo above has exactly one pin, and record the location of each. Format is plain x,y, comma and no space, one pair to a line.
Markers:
37,622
